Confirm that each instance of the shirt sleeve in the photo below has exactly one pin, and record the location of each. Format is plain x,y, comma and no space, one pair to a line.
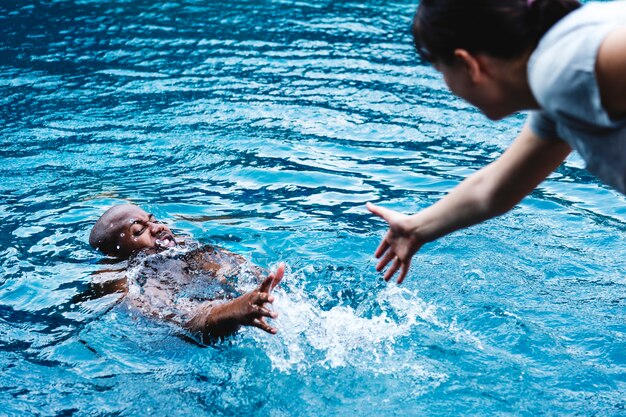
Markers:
561,70
542,125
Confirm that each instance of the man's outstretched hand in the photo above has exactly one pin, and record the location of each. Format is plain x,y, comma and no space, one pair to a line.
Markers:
249,309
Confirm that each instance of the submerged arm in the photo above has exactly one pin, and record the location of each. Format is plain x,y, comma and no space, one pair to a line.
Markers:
490,192
104,282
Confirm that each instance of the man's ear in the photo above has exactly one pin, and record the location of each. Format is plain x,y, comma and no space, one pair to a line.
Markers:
472,65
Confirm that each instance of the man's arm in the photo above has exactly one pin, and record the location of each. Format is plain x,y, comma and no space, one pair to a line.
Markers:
490,192
219,320
104,282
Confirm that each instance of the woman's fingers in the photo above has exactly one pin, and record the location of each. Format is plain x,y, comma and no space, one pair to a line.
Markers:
382,248
399,239
393,269
388,257
379,211
405,270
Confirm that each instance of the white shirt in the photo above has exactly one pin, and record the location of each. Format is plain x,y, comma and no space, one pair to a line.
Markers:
561,74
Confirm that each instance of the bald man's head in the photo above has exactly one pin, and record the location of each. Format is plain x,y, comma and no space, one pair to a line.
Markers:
126,228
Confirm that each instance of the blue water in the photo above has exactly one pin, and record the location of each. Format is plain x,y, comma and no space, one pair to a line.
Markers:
264,127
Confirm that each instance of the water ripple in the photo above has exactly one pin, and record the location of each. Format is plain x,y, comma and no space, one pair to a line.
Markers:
265,128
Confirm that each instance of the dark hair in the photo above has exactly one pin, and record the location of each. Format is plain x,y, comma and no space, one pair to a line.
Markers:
500,28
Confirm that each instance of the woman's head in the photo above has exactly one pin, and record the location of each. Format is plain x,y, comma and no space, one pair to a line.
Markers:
503,29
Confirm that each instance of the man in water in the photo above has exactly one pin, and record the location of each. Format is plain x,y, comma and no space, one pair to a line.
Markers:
192,288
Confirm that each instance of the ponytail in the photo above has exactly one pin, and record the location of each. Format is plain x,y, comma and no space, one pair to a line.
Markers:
500,28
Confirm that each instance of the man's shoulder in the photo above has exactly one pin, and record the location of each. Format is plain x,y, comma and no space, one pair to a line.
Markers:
213,258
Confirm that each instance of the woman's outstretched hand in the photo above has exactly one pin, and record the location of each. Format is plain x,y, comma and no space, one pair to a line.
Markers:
399,244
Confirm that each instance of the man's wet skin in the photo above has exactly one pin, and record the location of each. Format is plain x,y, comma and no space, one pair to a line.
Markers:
194,288
127,228
144,229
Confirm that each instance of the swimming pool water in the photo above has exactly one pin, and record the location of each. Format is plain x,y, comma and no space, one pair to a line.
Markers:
264,127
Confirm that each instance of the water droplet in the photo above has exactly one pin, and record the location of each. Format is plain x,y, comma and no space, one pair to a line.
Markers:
118,247
122,234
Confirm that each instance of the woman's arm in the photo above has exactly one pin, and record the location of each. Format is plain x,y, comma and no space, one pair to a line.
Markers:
492,191
610,72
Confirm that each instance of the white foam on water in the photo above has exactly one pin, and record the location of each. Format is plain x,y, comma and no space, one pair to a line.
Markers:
311,337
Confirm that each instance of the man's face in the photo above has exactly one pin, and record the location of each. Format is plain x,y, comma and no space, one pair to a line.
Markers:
137,230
